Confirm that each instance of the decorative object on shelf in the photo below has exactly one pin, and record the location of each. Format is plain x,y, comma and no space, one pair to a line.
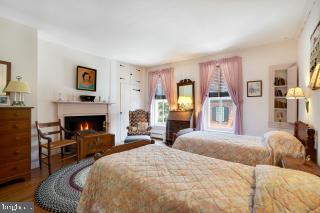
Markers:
254,88
60,96
297,93
315,78
86,78
5,76
87,98
4,100
19,87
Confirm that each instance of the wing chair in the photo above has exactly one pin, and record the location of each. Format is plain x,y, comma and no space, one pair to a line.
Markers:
136,118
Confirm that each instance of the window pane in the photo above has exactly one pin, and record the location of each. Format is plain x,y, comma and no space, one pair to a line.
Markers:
161,111
220,113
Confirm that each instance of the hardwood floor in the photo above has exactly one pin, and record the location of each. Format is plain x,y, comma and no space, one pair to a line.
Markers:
23,191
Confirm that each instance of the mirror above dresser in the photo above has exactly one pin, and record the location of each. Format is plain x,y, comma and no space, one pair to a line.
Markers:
5,76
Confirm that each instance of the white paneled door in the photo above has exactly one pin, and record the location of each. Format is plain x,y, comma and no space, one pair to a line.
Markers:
131,97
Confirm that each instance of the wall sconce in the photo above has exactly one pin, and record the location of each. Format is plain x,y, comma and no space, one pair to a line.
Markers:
297,93
184,103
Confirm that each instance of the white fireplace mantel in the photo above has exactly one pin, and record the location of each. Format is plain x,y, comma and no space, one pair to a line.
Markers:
77,108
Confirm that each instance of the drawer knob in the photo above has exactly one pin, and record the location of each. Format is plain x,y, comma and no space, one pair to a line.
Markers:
15,126
17,138
16,152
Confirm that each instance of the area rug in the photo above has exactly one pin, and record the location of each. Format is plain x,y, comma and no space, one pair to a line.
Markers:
60,192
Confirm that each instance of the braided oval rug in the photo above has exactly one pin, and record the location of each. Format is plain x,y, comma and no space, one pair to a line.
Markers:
60,192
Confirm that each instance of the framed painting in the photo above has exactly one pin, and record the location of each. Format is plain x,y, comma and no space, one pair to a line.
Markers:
254,88
86,78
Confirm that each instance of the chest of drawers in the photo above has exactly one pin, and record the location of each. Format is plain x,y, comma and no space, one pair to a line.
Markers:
15,143
176,121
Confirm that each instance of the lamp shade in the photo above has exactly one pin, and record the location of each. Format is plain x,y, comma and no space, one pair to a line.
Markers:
295,93
315,78
18,86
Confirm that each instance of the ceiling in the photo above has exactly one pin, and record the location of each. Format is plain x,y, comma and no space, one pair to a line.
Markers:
152,32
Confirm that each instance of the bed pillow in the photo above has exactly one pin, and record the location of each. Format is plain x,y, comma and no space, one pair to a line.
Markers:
283,144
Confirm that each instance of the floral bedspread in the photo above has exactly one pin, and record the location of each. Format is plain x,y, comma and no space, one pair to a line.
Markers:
156,178
249,150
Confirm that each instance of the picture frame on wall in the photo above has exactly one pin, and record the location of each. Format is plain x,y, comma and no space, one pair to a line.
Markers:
254,88
4,100
86,79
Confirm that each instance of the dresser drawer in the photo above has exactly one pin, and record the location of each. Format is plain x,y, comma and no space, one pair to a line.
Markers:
15,168
14,114
14,153
15,139
13,127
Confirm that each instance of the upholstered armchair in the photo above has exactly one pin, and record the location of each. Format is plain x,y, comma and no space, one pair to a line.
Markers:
139,121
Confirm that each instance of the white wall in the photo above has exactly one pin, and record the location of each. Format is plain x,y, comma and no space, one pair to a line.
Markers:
256,62
57,74
18,45
304,74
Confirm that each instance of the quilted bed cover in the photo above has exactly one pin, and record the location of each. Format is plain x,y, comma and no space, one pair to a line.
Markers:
248,150
156,178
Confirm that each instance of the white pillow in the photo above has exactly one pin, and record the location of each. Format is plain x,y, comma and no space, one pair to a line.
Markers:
284,144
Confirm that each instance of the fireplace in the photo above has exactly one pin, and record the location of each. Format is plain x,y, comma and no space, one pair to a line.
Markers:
84,123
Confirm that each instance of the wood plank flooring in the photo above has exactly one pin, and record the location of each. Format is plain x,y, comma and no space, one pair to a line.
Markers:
23,191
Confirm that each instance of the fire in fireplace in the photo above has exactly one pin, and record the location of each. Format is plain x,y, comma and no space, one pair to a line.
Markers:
84,123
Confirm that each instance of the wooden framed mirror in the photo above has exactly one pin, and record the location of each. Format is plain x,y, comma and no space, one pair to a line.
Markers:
5,76
185,94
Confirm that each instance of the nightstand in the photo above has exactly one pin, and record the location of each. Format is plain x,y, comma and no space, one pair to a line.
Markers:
300,164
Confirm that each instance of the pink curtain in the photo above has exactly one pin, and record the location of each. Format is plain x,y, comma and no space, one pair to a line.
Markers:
167,81
152,79
206,73
232,70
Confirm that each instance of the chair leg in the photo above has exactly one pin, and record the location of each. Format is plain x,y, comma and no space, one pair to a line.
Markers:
49,161
40,162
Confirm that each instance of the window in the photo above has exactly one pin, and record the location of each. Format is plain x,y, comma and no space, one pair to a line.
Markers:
220,105
160,106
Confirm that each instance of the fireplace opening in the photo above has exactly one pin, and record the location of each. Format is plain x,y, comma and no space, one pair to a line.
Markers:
84,123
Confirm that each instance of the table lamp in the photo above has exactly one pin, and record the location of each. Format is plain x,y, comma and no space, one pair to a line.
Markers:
297,93
19,87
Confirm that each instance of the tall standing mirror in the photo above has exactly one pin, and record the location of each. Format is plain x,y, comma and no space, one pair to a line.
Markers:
5,76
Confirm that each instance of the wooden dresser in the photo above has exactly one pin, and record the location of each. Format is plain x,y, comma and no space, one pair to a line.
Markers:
176,121
15,143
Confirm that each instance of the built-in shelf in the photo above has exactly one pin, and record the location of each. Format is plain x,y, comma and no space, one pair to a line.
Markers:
282,112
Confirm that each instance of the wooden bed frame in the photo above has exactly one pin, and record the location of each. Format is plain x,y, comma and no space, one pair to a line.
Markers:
306,135
302,131
122,148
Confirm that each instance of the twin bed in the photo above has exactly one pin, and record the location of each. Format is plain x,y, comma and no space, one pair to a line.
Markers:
250,150
142,177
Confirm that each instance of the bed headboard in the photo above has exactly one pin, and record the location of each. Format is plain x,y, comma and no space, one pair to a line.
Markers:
306,135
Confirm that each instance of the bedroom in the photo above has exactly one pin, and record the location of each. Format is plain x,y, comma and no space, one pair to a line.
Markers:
47,43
